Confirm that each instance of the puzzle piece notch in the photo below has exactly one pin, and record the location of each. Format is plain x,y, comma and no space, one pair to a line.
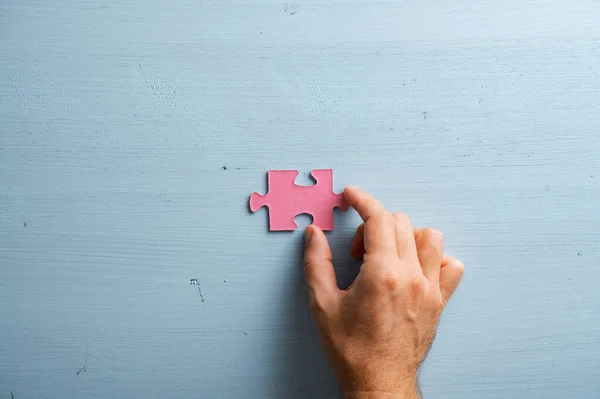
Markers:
286,200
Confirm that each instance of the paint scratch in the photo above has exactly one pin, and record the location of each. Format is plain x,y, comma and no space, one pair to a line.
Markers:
194,281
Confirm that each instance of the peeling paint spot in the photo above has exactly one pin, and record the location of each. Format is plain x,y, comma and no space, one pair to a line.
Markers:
290,9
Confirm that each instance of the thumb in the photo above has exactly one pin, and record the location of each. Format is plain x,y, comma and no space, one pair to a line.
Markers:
318,268
450,275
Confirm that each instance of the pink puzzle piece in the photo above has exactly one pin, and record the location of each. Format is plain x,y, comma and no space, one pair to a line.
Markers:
286,200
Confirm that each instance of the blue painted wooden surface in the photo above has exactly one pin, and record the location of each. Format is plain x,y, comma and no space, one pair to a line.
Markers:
132,133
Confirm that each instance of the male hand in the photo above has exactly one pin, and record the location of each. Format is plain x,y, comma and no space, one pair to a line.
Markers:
377,333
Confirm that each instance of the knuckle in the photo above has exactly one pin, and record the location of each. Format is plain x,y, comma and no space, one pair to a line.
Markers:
432,237
400,216
459,267
309,260
402,219
455,264
418,285
383,282
383,218
435,233
390,283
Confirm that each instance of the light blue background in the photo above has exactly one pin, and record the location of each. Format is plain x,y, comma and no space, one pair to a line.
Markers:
117,119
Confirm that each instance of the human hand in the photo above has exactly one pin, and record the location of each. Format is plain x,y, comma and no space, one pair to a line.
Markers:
377,332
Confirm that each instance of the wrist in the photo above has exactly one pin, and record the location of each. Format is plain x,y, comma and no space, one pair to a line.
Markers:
408,390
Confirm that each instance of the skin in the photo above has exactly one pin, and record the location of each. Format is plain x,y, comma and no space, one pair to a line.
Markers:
377,332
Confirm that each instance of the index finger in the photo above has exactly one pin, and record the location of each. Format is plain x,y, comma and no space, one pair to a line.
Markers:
379,233
363,203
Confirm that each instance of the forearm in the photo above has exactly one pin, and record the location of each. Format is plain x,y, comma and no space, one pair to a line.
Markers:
368,382
409,393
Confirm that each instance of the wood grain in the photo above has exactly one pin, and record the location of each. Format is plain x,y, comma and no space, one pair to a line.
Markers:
133,132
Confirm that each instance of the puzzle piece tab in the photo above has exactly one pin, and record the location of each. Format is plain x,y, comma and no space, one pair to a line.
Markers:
286,200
